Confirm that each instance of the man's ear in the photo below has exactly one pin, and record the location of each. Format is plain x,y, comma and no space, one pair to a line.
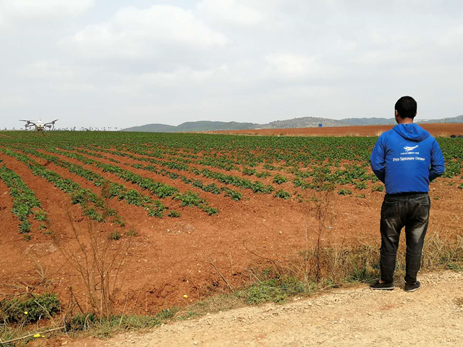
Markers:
396,113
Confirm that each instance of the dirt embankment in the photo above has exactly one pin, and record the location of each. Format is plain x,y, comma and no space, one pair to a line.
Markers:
432,316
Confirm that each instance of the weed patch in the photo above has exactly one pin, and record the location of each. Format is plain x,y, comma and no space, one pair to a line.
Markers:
274,290
29,309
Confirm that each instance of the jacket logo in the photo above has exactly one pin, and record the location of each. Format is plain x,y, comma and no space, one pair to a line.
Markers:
408,149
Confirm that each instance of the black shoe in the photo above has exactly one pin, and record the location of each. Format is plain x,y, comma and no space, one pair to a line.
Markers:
412,287
382,286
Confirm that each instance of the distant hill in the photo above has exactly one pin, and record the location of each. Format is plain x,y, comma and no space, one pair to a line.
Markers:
391,121
304,122
153,128
208,125
458,119
369,121
193,126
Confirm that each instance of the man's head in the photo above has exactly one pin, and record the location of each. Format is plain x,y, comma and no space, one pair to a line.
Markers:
405,107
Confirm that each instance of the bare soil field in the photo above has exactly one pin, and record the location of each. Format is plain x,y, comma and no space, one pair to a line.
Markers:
436,129
170,258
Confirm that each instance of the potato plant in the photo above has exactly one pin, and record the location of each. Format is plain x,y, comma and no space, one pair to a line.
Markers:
25,202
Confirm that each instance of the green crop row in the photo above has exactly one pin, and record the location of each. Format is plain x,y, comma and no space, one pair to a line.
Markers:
25,202
159,189
210,188
130,196
350,174
344,160
96,155
93,205
156,188
256,187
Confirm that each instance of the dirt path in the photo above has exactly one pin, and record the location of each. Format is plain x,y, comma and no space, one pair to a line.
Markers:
432,316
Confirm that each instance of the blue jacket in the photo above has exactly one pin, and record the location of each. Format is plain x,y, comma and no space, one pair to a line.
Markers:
406,158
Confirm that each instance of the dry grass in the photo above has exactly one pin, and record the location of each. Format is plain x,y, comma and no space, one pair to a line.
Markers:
330,263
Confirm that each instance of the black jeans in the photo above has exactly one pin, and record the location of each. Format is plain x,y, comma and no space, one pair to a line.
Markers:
409,210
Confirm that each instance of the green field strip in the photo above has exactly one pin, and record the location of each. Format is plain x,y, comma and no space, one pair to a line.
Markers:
25,202
93,205
354,174
216,160
96,155
255,186
174,157
130,196
155,188
255,152
210,188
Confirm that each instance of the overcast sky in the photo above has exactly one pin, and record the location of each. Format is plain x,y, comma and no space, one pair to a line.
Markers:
123,63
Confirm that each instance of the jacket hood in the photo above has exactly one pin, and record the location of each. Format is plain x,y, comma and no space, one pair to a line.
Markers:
411,132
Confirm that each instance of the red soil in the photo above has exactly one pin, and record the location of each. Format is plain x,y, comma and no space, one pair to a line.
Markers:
171,257
436,129
8,221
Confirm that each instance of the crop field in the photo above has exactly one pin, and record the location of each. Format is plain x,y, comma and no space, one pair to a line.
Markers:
196,211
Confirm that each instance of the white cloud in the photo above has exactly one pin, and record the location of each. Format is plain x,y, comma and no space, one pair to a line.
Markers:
232,12
78,88
294,66
45,9
46,69
289,64
11,99
56,77
2,21
242,60
451,38
164,32
183,76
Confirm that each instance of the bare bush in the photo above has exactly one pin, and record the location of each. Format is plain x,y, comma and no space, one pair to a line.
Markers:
98,262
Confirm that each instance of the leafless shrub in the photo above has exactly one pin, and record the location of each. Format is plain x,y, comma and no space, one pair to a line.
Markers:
98,263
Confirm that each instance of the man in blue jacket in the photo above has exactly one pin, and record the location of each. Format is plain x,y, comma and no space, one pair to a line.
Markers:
405,158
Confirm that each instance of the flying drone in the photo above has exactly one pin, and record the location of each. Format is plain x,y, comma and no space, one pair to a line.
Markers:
39,125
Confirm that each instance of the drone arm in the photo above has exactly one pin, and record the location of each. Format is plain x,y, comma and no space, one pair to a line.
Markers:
51,124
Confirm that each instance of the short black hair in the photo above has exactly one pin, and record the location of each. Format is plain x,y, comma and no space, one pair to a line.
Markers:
406,107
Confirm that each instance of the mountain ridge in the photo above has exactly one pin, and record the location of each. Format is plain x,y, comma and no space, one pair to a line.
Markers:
302,122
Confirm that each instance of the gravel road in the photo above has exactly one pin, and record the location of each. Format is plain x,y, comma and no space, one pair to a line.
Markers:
431,316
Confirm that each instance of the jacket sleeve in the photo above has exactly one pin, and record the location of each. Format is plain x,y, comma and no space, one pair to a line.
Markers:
378,159
437,162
